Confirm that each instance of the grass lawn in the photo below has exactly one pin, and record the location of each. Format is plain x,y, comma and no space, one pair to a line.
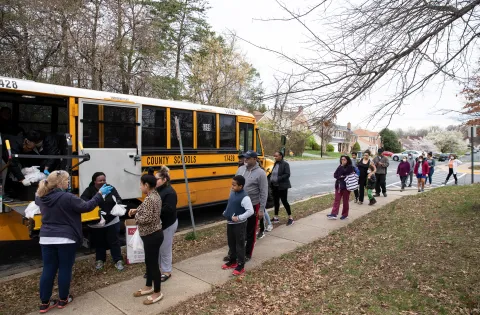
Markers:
21,296
417,255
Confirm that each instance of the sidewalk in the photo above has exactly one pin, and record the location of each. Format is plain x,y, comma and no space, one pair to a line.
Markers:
199,274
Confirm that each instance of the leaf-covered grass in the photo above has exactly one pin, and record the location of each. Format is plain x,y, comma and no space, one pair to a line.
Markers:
417,255
21,296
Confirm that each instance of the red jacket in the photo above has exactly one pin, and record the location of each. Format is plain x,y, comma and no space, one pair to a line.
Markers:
425,168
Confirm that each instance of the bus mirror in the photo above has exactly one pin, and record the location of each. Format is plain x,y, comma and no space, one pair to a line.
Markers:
284,140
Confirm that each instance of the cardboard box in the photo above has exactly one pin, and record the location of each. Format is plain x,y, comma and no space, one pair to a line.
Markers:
133,256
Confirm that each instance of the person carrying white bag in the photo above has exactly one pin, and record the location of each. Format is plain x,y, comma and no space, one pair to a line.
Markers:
105,236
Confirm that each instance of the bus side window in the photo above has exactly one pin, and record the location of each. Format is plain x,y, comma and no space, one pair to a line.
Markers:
206,130
228,132
259,146
186,127
154,129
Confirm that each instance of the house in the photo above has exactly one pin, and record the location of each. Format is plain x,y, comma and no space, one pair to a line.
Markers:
410,142
288,120
368,140
343,138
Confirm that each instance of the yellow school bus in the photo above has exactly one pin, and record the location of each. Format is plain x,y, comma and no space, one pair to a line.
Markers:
124,135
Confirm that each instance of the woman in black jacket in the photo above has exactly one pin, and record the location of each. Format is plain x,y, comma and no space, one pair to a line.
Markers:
280,180
168,215
106,236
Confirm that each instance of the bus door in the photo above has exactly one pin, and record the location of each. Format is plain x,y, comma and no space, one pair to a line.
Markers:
111,134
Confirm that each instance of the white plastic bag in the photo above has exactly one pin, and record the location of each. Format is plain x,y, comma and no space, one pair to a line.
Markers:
33,174
99,224
136,242
118,210
32,210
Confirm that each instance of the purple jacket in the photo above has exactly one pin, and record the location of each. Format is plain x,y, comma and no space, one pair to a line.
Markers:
62,214
340,174
403,168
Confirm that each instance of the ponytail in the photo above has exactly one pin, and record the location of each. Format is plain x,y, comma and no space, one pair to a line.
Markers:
53,181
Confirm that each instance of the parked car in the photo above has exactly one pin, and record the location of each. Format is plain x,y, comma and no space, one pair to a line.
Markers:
387,153
443,157
399,156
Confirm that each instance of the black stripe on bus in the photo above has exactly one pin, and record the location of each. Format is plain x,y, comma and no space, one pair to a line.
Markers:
203,205
193,166
176,151
201,179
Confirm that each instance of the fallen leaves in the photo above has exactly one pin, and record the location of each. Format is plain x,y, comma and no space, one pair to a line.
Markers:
410,257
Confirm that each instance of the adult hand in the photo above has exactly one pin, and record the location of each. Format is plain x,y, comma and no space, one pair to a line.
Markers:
132,212
26,182
105,190
260,213
235,219
46,172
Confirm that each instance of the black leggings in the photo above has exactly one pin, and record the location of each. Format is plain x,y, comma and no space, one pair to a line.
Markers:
151,246
361,188
450,173
280,194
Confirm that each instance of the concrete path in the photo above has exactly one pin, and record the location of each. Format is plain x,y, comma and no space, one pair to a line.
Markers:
199,274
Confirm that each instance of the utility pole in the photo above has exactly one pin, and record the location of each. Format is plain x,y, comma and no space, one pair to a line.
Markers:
473,133
321,141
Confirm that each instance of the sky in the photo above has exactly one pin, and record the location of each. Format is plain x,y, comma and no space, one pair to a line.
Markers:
242,17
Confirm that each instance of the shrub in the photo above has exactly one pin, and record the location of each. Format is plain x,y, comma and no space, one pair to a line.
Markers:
330,148
356,147
316,147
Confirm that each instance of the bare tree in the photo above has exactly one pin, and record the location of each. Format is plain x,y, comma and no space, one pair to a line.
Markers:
404,44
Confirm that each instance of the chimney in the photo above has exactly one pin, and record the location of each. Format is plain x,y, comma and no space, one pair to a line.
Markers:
349,126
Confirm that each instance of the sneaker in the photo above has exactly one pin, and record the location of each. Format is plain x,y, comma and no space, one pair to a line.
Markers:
384,194
226,258
423,190
269,228
230,265
331,217
48,306
356,200
343,217
419,190
377,195
239,270
64,303
119,265
373,201
247,258
99,264
456,183
290,222
260,235
360,202
275,220
410,185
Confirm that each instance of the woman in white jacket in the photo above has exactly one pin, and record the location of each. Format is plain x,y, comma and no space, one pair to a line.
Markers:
453,163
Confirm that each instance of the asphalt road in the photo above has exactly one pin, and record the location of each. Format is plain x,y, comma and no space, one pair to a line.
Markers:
315,177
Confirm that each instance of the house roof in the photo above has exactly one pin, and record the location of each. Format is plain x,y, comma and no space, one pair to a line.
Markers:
367,141
258,115
365,133
342,128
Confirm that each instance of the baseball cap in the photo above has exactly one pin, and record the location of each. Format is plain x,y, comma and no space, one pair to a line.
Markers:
250,154
241,155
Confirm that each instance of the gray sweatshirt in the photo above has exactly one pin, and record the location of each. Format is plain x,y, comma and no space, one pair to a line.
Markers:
381,169
256,184
412,163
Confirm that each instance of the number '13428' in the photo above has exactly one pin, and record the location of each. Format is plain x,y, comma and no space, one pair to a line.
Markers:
9,84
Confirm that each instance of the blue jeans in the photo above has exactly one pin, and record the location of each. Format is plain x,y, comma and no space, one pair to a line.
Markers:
56,257
430,174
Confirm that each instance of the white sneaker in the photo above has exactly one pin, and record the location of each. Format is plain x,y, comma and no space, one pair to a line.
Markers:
269,228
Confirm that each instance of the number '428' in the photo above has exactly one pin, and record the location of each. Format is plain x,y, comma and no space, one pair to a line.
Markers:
8,84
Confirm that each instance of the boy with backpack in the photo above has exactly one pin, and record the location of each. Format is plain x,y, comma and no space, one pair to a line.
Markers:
239,209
